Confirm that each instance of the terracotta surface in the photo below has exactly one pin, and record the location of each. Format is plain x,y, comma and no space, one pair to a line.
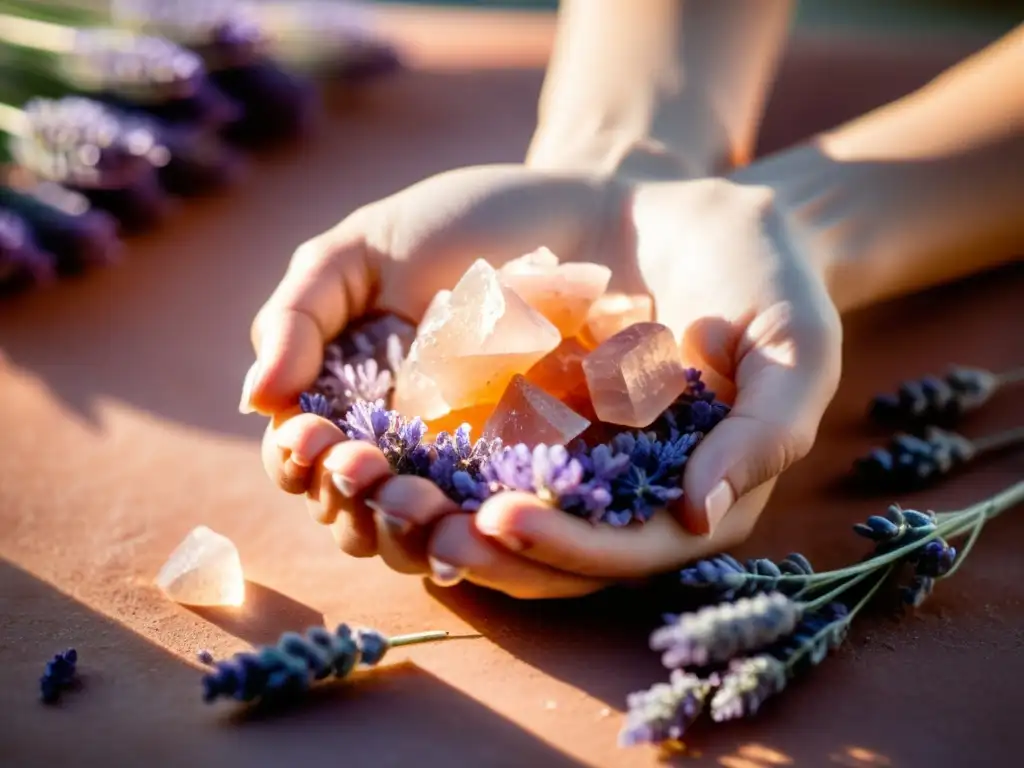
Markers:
119,429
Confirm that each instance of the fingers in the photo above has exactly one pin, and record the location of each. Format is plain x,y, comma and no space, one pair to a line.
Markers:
291,444
520,524
327,283
458,551
404,510
784,383
345,475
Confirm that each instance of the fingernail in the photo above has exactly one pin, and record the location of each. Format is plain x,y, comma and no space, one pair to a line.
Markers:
346,486
245,404
445,574
492,529
394,524
718,503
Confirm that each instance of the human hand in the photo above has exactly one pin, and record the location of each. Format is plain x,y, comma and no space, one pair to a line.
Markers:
755,312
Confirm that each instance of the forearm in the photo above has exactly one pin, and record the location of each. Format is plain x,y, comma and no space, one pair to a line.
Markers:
921,192
681,83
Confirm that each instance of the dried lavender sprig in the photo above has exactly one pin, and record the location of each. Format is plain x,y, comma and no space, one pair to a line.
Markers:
287,668
941,400
750,681
665,711
717,633
59,674
723,577
910,462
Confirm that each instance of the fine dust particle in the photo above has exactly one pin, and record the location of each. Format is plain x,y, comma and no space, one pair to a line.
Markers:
549,704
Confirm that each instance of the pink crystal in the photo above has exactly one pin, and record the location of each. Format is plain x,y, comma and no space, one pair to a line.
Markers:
635,375
613,312
528,414
563,293
415,392
560,372
486,335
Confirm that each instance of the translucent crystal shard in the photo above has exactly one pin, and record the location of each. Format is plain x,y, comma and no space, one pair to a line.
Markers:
612,313
528,414
487,335
205,569
635,375
476,416
563,293
560,372
416,393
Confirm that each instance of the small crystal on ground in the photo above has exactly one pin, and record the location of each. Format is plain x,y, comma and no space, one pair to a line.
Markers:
528,414
614,312
563,293
205,569
635,375
487,335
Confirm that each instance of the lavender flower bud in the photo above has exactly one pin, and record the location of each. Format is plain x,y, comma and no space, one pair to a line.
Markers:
362,381
287,668
665,711
933,400
910,462
719,632
746,686
725,578
22,263
317,404
934,559
138,68
59,674
896,528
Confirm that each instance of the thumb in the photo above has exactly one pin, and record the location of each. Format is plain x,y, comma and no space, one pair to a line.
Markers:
327,284
773,425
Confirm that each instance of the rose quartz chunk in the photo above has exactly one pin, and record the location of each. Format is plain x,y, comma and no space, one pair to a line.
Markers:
635,375
486,335
528,414
563,293
560,372
476,416
612,313
415,392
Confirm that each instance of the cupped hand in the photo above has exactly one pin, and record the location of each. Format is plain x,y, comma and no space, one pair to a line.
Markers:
726,276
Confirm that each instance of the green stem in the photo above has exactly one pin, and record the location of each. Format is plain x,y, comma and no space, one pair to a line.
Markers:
417,637
1014,376
12,120
822,633
39,35
829,596
998,441
979,523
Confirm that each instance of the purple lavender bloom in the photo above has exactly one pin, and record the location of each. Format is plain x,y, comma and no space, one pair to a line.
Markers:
22,263
934,559
362,381
896,527
457,464
665,711
403,445
725,578
747,684
653,476
317,404
719,632
287,668
367,421
59,675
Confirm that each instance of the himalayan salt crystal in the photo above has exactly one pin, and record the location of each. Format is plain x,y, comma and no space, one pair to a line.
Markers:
560,372
416,393
528,414
205,569
486,336
563,293
614,312
635,375
476,416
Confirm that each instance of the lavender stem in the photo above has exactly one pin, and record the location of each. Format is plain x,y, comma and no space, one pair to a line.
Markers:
1014,376
1006,439
417,637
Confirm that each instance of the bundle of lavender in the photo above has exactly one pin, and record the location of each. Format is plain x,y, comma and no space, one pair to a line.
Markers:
778,619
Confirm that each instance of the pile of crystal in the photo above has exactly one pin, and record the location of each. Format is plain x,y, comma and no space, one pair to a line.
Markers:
536,352
530,378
